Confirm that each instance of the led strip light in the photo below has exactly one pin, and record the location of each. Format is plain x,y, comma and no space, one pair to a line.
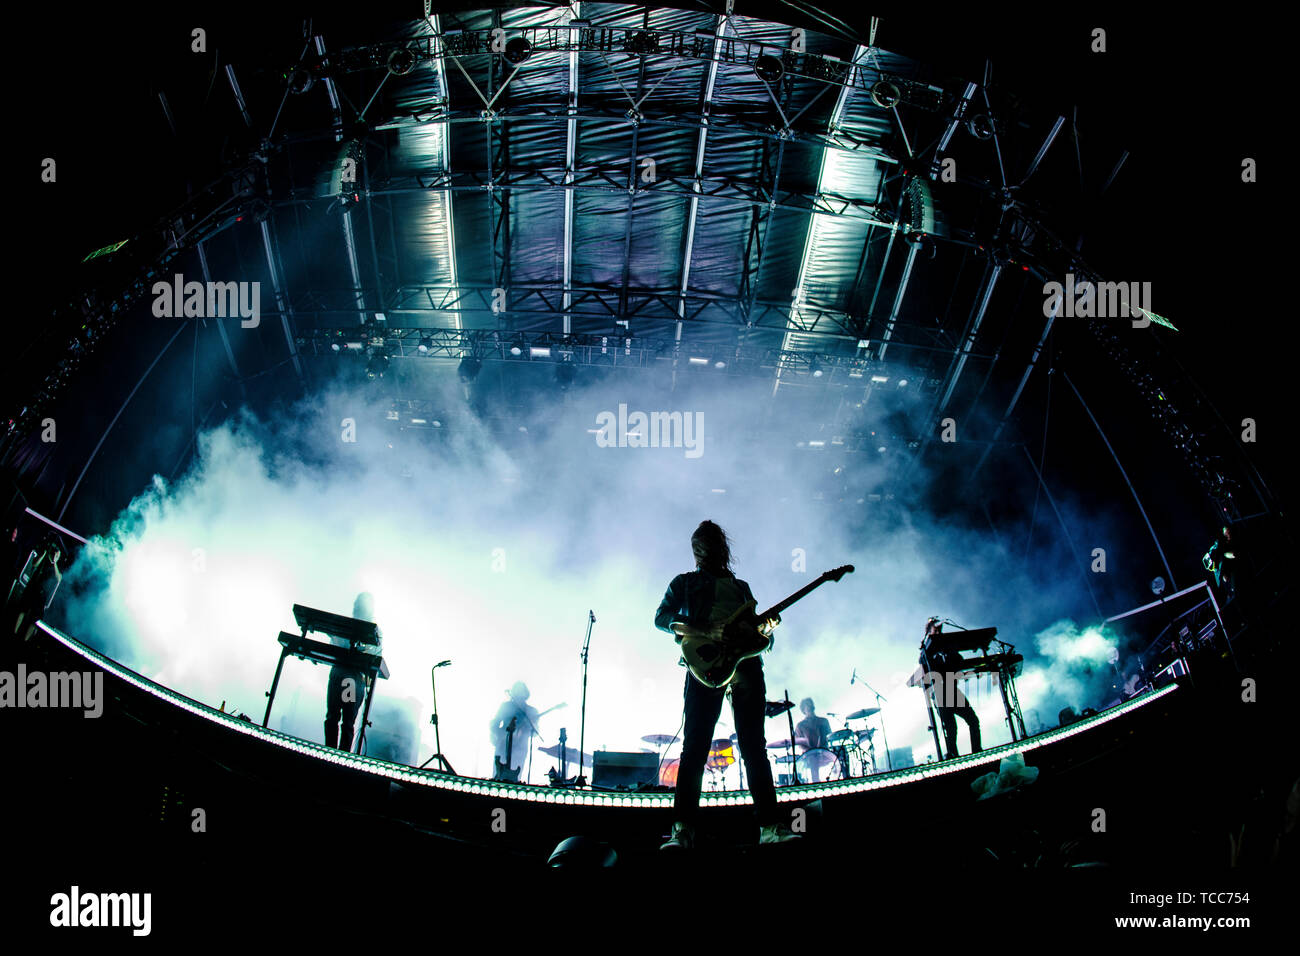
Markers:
590,798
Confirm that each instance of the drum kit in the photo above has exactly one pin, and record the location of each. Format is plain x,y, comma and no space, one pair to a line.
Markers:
849,753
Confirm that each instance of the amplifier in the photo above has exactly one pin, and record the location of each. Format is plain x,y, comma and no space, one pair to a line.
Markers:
611,770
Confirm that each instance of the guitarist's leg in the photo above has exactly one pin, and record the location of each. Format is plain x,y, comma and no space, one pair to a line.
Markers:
703,705
748,697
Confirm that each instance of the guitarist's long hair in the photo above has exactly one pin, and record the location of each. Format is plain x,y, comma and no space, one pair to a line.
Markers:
711,548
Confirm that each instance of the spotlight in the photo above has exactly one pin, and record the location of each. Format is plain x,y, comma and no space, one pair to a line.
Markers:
695,360
880,379
719,364
518,348
902,383
580,852
816,370
980,126
377,365
1158,586
643,41
518,50
426,343
469,368
885,94
768,68
401,62
539,351
299,80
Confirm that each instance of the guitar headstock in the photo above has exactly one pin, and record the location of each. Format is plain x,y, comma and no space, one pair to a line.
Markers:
838,572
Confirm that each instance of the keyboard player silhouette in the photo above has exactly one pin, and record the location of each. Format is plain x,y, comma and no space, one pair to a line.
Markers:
346,690
944,666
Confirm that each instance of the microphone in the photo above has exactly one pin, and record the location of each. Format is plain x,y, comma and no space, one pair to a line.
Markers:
853,680
592,616
441,664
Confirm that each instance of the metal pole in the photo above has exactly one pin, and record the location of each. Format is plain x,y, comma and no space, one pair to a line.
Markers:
1132,490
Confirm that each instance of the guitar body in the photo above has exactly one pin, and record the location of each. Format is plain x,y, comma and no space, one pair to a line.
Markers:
713,656
504,773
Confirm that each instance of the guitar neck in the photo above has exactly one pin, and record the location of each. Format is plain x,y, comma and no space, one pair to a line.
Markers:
799,595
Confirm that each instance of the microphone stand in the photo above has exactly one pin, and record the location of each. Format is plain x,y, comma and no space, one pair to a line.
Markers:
889,760
794,764
437,733
581,780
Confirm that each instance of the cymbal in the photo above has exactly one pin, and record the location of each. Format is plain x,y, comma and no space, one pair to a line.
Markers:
571,753
842,735
865,712
775,708
659,740
783,744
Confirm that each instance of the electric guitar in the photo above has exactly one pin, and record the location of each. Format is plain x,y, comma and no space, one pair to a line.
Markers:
713,655
503,771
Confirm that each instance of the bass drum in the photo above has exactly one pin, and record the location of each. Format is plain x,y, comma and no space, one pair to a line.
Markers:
819,765
668,773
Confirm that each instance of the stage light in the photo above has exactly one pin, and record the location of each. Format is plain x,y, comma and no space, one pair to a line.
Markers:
469,368
816,370
300,80
539,351
698,361
980,126
401,62
886,95
719,364
377,365
902,383
1158,586
880,379
426,343
518,50
643,41
768,68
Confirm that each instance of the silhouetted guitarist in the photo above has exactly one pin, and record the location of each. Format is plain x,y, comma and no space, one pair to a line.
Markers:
512,731
698,601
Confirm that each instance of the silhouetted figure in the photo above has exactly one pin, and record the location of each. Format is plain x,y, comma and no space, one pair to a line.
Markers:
701,600
812,731
944,667
1221,562
511,746
346,691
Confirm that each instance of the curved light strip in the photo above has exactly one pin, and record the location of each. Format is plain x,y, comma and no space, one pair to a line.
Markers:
589,798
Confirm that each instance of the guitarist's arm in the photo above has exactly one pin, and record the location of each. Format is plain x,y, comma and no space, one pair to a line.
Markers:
673,608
